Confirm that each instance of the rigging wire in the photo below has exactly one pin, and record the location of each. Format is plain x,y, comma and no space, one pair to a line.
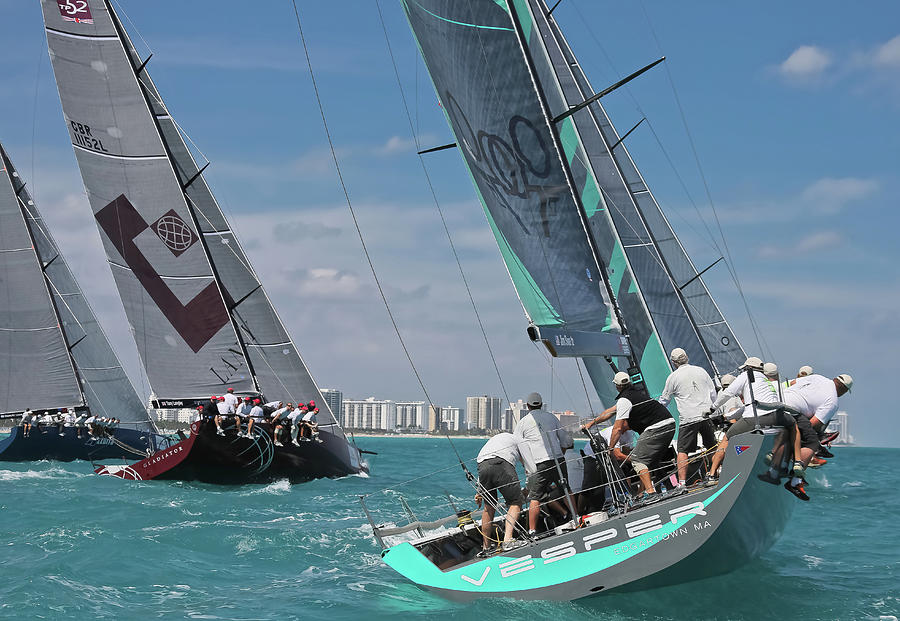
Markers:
356,222
760,338
690,137
435,198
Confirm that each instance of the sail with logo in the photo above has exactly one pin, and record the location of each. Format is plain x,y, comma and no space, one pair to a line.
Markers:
602,277
575,223
201,318
54,355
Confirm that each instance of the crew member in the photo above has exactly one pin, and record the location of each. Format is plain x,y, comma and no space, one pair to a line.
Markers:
27,417
497,472
635,410
694,394
243,413
751,384
232,401
541,441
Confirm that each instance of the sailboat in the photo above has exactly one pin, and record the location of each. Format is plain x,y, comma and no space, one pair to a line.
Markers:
53,354
602,278
200,316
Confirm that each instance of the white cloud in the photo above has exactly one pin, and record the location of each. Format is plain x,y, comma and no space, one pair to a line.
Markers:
821,240
807,61
830,195
888,54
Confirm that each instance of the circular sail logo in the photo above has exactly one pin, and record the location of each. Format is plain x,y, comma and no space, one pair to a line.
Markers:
174,233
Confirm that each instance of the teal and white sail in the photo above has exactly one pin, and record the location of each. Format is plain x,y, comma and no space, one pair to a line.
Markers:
554,196
53,353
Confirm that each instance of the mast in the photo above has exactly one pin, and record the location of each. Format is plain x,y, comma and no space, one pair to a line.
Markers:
123,36
548,117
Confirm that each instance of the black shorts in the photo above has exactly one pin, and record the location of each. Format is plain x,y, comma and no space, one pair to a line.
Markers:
539,483
498,474
808,436
687,436
651,446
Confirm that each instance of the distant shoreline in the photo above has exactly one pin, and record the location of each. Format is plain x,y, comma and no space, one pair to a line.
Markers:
417,435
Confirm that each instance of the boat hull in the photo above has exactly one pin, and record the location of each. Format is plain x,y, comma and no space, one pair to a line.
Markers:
208,457
47,443
703,533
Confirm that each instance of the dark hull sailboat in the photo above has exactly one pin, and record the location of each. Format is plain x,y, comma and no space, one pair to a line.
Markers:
208,457
53,353
201,318
602,278
49,443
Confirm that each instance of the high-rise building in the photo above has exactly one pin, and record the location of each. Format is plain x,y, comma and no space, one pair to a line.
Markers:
567,419
411,414
334,399
513,414
483,412
369,414
452,418
434,418
841,424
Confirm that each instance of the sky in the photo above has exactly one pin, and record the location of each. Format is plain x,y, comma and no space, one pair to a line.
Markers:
778,119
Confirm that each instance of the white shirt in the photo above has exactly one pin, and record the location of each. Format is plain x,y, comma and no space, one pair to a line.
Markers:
627,438
814,395
502,445
280,411
231,400
272,404
310,417
223,408
540,438
765,391
257,412
89,420
733,408
69,419
693,390
244,408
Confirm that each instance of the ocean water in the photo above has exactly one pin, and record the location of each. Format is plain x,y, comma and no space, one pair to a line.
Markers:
79,546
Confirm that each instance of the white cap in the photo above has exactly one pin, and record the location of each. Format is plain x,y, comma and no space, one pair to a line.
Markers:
621,378
727,379
752,362
846,380
804,371
770,369
535,399
678,355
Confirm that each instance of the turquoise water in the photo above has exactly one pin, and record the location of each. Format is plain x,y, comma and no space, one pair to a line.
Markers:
78,546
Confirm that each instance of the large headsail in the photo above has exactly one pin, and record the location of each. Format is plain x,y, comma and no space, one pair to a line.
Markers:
36,370
678,300
105,385
201,318
478,55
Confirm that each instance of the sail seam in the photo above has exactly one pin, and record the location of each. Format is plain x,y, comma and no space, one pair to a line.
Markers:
73,35
120,157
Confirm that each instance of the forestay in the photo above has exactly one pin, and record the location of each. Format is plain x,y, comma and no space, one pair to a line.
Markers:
201,318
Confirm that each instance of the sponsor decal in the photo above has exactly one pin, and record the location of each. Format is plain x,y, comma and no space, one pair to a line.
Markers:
83,136
161,456
174,233
198,320
76,11
741,448
639,532
563,340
